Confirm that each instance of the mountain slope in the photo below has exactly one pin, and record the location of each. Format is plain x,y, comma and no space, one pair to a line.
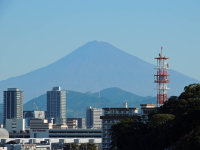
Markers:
94,66
77,102
119,96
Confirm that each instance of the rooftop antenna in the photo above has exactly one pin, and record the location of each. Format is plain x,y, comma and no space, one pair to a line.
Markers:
161,51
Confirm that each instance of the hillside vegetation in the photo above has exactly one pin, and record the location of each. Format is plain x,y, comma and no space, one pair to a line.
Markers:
175,126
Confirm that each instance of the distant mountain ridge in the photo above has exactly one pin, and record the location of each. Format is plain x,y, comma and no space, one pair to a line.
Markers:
77,102
94,66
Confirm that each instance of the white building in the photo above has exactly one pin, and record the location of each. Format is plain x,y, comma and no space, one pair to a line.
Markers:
112,116
15,125
93,117
46,143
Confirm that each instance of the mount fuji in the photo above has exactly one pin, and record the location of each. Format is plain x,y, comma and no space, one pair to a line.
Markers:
92,67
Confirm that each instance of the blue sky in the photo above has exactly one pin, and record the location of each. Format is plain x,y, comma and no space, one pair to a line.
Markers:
35,33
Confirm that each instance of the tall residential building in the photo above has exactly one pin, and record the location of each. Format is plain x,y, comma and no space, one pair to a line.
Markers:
110,117
93,117
13,104
56,105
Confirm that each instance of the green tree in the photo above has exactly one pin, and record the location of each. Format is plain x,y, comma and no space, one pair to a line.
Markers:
176,125
83,147
191,91
71,146
160,120
91,146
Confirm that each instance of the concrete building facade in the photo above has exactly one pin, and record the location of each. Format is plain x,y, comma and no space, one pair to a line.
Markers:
39,128
72,124
110,117
15,125
13,104
93,117
81,122
56,105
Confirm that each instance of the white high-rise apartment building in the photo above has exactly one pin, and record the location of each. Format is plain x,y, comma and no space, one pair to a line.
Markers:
93,117
110,117
13,104
56,105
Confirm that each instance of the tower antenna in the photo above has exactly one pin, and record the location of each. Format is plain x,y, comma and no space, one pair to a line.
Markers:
161,78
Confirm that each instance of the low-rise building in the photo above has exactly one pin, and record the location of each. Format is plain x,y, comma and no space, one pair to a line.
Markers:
147,109
112,116
39,128
81,122
72,124
15,125
60,126
28,115
45,143
75,133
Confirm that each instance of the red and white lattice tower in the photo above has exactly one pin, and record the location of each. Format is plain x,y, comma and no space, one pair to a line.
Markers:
161,78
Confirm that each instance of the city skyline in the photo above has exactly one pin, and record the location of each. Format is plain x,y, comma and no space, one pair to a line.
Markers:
30,30
127,71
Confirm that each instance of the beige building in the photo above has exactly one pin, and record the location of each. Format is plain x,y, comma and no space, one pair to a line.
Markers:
93,118
72,124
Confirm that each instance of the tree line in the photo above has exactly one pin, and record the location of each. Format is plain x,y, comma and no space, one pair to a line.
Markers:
174,126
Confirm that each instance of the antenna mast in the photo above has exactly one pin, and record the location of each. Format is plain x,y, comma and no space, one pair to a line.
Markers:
161,78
